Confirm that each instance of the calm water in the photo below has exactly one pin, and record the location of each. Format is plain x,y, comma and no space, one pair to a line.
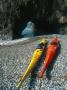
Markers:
30,29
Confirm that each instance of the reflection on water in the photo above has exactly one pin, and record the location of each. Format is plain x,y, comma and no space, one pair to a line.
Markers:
28,31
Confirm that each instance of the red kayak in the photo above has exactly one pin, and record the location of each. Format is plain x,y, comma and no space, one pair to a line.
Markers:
50,55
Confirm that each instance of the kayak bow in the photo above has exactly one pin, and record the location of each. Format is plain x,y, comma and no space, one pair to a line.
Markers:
36,56
50,54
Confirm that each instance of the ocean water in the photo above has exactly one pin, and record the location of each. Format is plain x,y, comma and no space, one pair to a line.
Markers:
28,31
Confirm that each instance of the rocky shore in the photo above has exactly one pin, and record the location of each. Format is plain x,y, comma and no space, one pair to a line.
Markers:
15,56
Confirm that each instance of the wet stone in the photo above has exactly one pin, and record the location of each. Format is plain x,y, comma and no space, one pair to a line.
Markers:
15,56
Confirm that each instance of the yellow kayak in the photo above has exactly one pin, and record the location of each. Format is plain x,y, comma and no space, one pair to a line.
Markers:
36,56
